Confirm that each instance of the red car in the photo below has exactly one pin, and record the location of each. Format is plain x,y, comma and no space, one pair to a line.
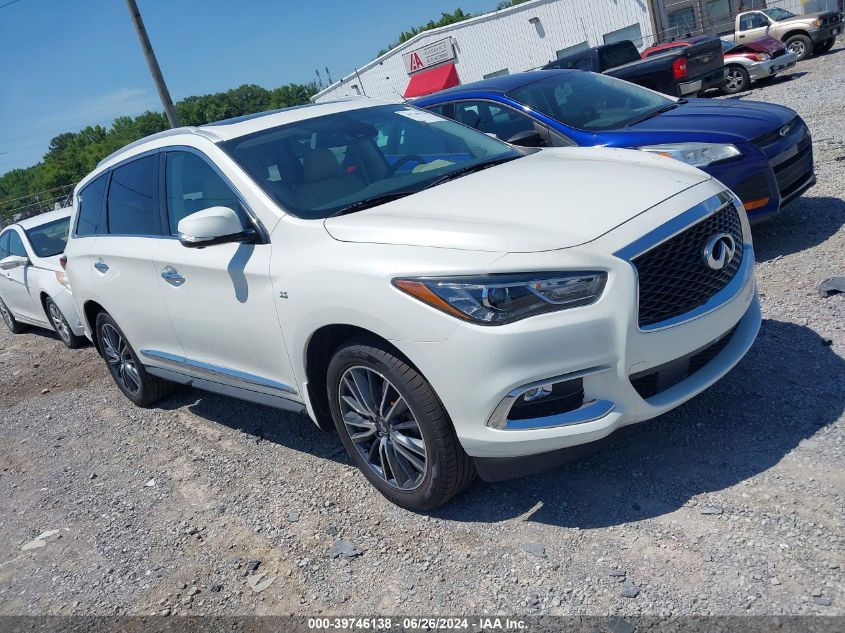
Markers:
744,63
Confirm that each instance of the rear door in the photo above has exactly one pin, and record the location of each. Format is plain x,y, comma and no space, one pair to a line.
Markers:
124,276
752,26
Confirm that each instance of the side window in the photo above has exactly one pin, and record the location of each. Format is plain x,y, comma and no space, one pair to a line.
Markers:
4,245
192,185
91,206
438,109
132,201
489,118
16,246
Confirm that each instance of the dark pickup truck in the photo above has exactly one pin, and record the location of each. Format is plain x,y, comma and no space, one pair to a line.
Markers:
687,71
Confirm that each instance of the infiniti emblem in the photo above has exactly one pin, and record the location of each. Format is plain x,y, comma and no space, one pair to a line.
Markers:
719,250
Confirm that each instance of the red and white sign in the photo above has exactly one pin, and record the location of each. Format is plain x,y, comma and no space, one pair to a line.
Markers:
432,55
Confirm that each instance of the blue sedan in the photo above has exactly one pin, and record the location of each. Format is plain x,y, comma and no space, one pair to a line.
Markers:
762,151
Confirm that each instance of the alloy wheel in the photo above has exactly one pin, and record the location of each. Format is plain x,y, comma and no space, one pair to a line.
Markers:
797,48
59,322
382,427
120,359
735,80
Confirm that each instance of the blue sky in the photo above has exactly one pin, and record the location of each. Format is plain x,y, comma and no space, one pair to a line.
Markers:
65,64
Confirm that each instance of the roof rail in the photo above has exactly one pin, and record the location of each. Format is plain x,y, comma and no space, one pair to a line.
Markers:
171,132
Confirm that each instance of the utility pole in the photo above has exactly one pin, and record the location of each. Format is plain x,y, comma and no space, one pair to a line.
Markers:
163,94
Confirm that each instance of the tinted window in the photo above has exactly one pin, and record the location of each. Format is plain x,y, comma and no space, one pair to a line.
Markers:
49,239
4,245
358,158
492,119
132,201
589,101
16,245
192,185
91,206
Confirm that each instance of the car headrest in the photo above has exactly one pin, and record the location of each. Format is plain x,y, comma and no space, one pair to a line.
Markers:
319,164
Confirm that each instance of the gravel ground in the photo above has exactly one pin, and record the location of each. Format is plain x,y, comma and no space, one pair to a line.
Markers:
732,504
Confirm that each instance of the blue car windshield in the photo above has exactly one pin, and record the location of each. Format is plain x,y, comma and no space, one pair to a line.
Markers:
588,101
355,159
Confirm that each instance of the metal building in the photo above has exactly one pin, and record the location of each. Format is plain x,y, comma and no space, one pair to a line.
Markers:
515,39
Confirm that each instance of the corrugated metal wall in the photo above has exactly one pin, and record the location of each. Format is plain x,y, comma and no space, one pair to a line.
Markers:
505,39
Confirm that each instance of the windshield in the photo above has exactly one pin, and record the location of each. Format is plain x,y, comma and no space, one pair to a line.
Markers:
49,239
588,101
778,14
347,161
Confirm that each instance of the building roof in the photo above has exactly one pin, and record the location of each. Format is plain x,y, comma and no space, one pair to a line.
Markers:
409,44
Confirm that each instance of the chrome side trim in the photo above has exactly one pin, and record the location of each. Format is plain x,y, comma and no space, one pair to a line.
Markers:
587,412
279,402
216,370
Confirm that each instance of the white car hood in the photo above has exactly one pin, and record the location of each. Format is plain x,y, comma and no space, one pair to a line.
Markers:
552,199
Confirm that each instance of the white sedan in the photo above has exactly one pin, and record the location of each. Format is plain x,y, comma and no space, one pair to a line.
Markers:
34,289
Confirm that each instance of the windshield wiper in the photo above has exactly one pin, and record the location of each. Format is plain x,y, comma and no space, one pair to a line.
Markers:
468,170
666,108
371,202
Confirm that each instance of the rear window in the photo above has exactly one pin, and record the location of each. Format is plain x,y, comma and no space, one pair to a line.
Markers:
91,206
618,54
49,239
132,203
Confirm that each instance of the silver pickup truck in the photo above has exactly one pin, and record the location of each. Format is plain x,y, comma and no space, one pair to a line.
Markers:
804,35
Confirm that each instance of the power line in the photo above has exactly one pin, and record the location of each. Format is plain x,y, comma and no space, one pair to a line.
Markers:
3,6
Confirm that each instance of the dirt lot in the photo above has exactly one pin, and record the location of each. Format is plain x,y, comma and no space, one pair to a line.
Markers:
732,504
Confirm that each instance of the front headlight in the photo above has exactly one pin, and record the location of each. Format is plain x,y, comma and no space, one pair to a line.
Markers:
761,57
696,154
499,299
817,22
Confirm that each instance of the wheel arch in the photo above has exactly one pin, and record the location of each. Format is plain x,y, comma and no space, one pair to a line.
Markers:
90,311
321,346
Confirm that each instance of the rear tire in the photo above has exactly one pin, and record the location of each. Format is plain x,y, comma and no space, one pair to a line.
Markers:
9,319
826,45
737,80
62,327
127,371
801,45
404,444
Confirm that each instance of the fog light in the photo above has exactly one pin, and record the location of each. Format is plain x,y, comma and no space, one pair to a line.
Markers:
536,393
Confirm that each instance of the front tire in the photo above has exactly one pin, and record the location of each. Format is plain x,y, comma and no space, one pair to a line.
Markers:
127,371
9,319
737,80
394,427
62,327
801,45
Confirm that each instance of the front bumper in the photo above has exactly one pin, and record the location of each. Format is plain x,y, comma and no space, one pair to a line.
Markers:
478,368
826,32
771,67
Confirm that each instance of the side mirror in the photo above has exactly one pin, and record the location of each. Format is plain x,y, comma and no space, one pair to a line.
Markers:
13,261
527,138
215,225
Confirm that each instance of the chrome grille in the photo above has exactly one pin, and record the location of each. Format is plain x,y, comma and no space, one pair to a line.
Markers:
673,276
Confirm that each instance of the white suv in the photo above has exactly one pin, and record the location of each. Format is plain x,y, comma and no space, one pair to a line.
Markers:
451,304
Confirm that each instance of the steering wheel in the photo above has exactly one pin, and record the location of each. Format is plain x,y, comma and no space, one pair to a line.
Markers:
402,160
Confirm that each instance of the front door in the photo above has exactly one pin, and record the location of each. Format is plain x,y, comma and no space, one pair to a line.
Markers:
16,285
220,299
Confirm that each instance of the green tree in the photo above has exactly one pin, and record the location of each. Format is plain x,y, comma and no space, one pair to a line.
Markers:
445,19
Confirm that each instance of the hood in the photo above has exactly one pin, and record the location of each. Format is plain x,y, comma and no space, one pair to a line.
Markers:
765,44
50,263
554,198
722,120
809,16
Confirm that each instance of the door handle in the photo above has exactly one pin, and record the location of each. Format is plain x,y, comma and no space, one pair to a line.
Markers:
101,266
171,276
